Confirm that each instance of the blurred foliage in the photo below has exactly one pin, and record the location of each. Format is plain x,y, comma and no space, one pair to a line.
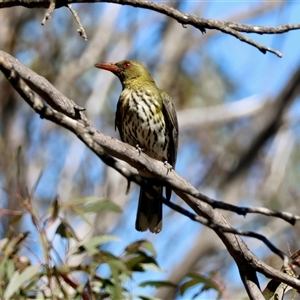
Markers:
59,276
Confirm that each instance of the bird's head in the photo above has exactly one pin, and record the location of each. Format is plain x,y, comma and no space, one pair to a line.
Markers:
127,71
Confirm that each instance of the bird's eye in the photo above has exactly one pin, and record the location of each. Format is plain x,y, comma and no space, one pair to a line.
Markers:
127,65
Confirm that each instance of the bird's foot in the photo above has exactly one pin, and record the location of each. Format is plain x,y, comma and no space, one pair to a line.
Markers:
139,149
168,166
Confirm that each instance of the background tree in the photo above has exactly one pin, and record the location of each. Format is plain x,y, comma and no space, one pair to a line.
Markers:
237,111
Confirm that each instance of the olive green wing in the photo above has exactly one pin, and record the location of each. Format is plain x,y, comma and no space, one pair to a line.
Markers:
118,119
172,125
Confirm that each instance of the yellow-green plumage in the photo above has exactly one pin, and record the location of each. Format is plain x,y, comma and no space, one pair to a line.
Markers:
146,118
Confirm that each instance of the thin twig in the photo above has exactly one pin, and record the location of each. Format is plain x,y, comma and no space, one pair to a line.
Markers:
243,38
80,30
49,12
243,210
211,225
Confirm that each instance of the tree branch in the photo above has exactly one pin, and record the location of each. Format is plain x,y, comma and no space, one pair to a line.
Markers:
231,28
80,30
214,226
66,106
104,146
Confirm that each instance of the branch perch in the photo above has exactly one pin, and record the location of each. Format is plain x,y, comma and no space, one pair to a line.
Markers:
104,146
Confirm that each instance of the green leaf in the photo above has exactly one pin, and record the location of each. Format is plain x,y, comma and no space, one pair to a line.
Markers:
10,268
84,200
276,290
102,206
188,284
3,269
40,296
100,240
18,279
158,284
54,211
139,245
65,230
118,264
197,279
92,245
63,269
3,243
147,245
151,267
148,297
13,244
140,262
116,289
107,283
81,213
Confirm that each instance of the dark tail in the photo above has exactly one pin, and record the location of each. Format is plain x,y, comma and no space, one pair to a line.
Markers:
149,212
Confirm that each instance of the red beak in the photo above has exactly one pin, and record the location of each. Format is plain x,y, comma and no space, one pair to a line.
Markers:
108,66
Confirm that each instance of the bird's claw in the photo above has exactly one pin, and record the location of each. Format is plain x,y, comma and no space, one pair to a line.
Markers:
139,149
168,166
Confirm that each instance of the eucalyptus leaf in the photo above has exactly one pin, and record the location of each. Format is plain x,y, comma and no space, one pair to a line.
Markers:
18,279
158,284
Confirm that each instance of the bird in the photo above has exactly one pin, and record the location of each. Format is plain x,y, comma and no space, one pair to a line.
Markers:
146,119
